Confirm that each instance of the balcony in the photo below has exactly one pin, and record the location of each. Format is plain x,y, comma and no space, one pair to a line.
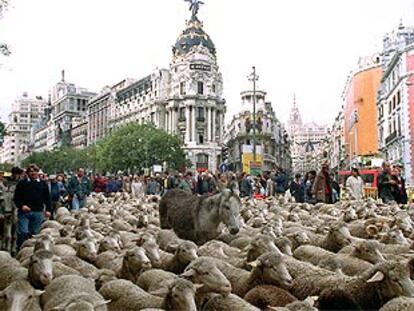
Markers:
391,138
200,119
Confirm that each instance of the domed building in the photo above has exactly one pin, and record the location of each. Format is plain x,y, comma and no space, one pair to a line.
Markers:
185,100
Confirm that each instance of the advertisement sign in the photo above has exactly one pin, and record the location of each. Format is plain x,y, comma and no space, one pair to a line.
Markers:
251,167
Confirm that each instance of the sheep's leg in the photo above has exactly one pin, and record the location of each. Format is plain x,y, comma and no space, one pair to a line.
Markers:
7,236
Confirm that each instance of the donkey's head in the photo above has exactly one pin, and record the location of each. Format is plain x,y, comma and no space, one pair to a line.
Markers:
229,205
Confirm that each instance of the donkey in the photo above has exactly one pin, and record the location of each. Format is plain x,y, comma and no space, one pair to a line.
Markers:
198,218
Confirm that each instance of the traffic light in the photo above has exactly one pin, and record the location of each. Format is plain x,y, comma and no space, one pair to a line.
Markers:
224,153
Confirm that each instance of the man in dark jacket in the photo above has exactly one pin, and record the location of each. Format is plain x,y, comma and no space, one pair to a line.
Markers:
386,184
297,189
32,200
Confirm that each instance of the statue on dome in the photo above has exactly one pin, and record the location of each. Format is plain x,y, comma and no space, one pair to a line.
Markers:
194,6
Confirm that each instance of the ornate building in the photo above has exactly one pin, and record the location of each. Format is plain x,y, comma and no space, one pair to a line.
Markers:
273,144
307,141
185,100
395,100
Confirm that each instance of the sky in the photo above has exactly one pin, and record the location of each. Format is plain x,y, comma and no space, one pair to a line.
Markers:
299,47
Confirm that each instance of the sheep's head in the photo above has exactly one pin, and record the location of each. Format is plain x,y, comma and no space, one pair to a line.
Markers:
137,259
300,238
350,215
204,271
339,233
181,295
260,245
109,244
284,245
44,242
152,250
392,278
271,268
396,236
20,295
87,250
186,252
368,251
105,276
41,268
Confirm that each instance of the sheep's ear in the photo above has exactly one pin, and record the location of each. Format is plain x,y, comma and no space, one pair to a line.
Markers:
254,264
37,292
60,307
161,292
188,273
378,277
102,303
198,286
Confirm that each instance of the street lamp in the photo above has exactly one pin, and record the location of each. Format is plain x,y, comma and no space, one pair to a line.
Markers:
253,77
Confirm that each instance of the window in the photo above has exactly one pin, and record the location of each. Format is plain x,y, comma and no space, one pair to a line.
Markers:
200,113
200,88
182,114
182,88
201,139
213,87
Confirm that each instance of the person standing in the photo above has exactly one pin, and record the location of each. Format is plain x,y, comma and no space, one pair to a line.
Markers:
246,186
137,187
32,200
57,193
322,186
400,192
386,184
355,185
297,189
185,183
79,187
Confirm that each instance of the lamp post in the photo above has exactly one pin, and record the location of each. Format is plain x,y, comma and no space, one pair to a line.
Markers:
253,77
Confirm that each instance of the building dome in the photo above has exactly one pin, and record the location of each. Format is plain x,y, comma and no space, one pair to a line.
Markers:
194,35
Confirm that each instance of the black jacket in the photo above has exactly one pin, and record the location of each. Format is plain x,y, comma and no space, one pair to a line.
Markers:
34,194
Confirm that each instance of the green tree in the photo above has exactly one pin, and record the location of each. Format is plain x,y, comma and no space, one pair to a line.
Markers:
136,147
2,130
60,160
6,167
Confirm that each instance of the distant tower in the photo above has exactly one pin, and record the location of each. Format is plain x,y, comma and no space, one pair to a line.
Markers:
295,119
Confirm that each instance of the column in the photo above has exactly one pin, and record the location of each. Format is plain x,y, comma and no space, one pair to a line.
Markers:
187,124
214,126
208,113
167,121
193,124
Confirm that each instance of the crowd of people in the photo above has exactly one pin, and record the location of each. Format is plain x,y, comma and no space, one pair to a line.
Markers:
29,196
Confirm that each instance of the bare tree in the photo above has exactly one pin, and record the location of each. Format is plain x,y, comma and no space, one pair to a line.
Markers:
4,49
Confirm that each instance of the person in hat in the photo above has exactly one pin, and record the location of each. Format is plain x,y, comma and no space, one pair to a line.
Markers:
322,189
32,200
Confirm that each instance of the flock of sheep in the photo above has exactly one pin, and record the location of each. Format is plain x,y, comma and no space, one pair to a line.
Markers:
113,255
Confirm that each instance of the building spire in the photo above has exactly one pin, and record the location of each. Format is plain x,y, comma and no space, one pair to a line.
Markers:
63,75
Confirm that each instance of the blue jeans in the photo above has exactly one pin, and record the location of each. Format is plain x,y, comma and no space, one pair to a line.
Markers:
78,203
28,224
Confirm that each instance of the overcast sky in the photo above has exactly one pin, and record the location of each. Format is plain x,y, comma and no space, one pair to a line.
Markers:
298,46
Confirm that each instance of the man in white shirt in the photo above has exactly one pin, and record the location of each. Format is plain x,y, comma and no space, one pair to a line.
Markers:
354,185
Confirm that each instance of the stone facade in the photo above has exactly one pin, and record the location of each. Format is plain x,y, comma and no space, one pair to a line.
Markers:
272,140
308,141
79,133
394,100
26,112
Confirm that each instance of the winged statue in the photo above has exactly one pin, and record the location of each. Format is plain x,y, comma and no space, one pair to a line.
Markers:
194,6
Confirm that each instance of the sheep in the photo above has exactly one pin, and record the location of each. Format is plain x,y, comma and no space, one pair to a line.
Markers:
334,299
86,269
263,296
109,260
152,250
204,271
185,253
72,293
109,243
134,263
337,237
155,279
399,304
126,296
298,269
104,276
20,295
260,245
87,250
230,302
40,269
222,251
10,271
370,289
